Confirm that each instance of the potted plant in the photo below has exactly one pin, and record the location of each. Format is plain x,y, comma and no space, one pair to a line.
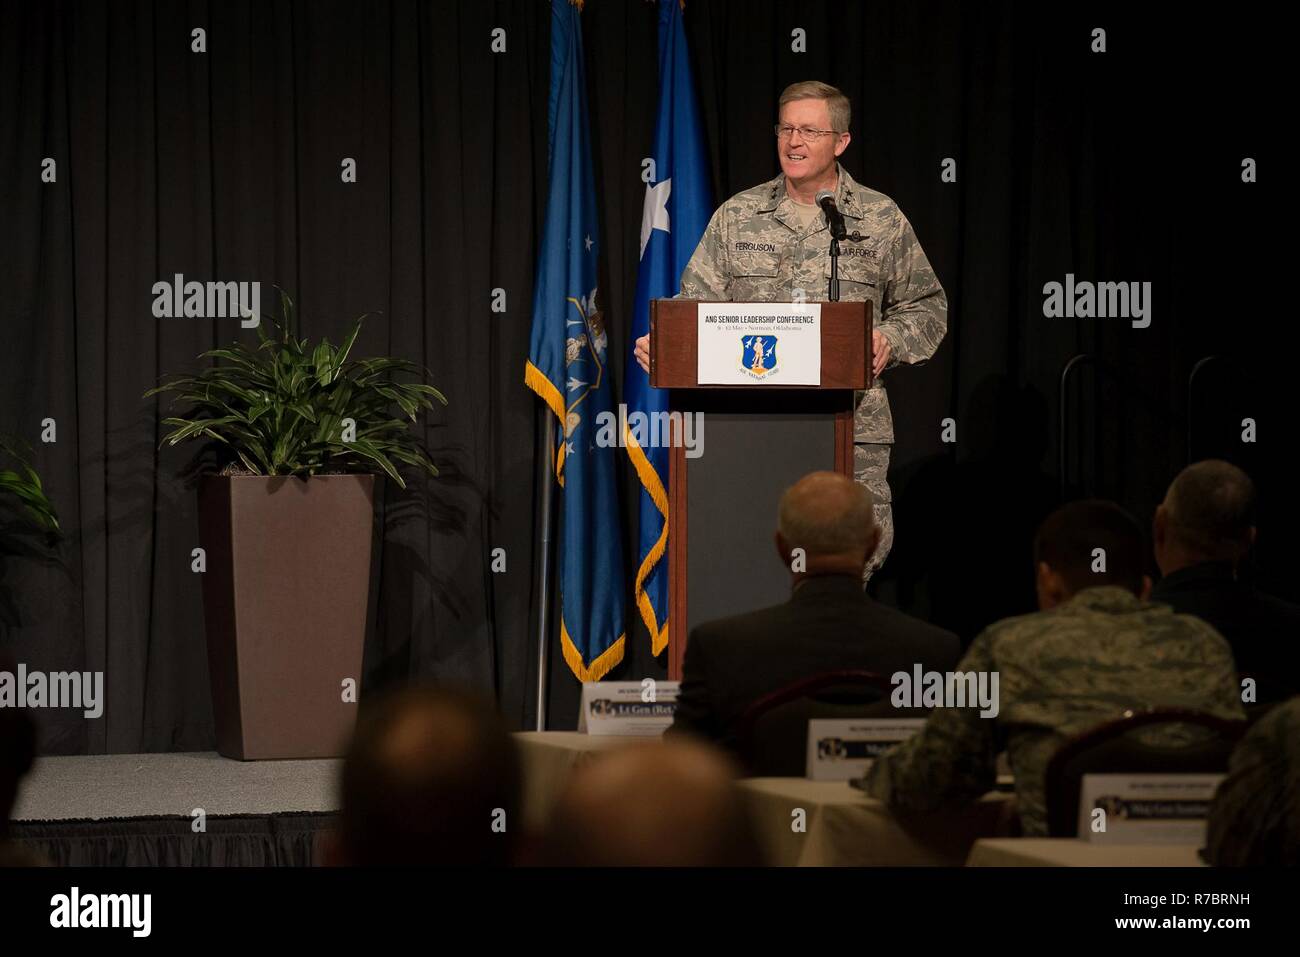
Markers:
286,527
28,523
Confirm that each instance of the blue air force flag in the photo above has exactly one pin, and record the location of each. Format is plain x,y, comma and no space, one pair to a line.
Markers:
678,203
567,367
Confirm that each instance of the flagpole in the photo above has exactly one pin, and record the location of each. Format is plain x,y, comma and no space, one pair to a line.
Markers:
546,523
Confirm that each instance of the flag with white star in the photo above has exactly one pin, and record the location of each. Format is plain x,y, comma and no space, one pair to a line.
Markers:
676,211
567,366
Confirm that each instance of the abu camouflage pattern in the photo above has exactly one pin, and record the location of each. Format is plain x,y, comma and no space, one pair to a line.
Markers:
1255,817
1061,672
756,249
871,468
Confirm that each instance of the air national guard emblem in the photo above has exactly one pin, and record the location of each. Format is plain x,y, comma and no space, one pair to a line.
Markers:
758,355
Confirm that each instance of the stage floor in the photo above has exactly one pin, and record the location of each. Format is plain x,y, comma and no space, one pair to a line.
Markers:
102,786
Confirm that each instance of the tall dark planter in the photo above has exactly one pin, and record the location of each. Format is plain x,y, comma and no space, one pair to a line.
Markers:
284,600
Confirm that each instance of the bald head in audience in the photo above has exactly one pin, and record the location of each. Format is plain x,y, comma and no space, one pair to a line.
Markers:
431,778
1208,515
830,517
669,804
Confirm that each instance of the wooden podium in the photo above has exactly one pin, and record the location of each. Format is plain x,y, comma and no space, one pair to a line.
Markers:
758,440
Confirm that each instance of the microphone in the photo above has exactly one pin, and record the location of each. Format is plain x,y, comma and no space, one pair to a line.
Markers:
834,218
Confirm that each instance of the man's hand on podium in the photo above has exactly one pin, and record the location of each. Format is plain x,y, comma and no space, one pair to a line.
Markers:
643,352
879,352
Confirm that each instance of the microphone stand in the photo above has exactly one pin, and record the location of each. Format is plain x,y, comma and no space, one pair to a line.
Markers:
833,289
835,223
833,293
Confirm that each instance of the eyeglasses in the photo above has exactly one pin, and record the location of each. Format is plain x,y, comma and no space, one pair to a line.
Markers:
784,132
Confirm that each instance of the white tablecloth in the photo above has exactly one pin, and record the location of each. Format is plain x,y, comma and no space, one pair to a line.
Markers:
844,827
1071,852
548,757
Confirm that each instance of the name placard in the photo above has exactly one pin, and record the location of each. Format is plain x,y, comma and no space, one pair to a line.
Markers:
753,343
843,749
1145,808
630,708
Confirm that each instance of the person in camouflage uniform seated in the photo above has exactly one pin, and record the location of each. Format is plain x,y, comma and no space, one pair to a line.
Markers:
1255,816
1096,649
771,244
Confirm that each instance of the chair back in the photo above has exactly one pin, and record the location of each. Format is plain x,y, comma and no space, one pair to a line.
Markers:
773,732
1127,746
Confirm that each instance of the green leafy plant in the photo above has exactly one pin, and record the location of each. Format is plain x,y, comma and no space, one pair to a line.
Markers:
20,484
280,408
29,527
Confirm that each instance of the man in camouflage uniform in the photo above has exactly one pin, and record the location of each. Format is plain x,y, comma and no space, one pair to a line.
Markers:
1255,816
1095,650
771,244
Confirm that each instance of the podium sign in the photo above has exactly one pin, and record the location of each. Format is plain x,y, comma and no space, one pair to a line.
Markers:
627,708
747,343
842,749
1145,808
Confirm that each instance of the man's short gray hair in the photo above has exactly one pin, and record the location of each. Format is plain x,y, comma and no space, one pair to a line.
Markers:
836,102
839,522
1211,508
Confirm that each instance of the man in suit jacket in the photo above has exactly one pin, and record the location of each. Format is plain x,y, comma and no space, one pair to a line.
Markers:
1202,531
826,534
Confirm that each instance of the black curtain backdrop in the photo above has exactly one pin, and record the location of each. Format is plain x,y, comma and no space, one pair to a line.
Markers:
225,165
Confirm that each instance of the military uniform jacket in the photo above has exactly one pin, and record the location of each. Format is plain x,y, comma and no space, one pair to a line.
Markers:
1060,673
1255,817
754,250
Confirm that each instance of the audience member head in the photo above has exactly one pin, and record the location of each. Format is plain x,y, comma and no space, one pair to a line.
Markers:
1066,556
1208,515
830,518
1254,819
422,783
669,804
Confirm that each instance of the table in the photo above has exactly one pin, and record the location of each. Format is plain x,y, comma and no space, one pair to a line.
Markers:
845,827
1072,852
842,826
548,758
